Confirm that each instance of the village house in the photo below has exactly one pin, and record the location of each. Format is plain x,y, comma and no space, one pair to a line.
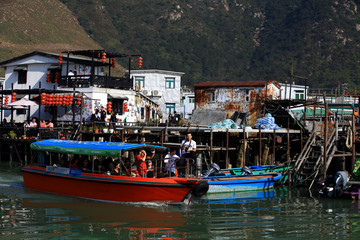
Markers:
216,101
164,87
34,73
293,91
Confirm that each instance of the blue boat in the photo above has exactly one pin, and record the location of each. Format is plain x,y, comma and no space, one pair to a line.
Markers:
238,197
234,183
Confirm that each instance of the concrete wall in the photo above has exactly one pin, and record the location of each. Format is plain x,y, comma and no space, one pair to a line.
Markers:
235,99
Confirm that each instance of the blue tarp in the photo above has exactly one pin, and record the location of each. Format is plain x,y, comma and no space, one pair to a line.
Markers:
227,123
267,122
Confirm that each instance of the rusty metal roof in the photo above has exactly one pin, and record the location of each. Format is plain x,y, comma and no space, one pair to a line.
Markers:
233,84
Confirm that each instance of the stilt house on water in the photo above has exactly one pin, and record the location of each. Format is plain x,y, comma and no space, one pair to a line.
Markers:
73,75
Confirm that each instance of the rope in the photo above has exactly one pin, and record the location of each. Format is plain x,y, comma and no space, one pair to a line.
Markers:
279,106
348,141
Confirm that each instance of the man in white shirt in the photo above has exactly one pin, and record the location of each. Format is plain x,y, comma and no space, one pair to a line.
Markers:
170,159
188,150
188,146
33,123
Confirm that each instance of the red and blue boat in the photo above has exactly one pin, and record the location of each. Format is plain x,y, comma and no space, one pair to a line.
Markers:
234,183
47,176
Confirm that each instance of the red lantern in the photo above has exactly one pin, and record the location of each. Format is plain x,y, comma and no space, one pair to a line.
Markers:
56,77
48,77
13,97
60,59
42,98
109,106
78,100
6,100
140,62
126,107
103,58
113,62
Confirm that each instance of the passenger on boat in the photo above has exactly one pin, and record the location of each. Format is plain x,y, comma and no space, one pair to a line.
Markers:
150,169
74,163
141,163
116,168
98,167
85,166
170,160
188,150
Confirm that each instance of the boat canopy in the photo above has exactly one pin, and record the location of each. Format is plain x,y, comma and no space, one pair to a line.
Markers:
105,149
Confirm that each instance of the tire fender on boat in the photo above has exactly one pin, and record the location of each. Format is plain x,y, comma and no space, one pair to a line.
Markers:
200,189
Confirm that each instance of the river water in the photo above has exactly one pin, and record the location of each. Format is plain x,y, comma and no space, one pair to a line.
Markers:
280,213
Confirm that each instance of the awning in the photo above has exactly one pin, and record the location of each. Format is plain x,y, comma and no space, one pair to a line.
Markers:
106,149
117,96
21,68
54,67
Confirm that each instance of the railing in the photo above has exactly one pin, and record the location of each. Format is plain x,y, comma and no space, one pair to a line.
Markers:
35,133
84,81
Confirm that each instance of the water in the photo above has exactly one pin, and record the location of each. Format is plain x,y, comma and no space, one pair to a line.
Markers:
274,214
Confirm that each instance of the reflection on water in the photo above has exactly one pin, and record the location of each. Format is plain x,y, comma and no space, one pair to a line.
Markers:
279,213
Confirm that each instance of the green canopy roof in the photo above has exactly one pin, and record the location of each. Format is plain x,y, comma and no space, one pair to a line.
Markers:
105,149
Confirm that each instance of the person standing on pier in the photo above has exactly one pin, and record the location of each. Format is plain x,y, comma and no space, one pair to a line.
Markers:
33,123
188,150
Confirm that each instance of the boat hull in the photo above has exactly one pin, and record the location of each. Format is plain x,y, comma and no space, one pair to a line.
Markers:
261,170
221,184
108,187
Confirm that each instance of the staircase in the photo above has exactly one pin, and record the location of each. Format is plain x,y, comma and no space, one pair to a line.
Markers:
309,165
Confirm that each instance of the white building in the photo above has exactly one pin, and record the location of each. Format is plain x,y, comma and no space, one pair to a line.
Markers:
293,91
34,73
164,87
188,104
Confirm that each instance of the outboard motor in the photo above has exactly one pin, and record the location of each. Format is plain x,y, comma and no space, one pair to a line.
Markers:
214,168
334,185
246,171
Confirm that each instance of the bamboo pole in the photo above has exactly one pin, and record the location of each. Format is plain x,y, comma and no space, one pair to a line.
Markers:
245,146
274,147
353,158
260,148
325,140
227,149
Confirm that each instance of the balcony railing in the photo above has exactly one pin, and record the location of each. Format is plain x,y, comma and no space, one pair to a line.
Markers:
84,81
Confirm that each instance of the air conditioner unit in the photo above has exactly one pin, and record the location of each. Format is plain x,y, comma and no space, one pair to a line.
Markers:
156,93
145,92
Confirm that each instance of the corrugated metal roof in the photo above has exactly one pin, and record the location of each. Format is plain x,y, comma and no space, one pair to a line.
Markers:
231,84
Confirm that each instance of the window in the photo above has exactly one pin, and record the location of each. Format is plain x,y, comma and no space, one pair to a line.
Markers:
169,82
191,100
170,108
117,105
22,74
55,75
20,111
299,94
211,95
139,83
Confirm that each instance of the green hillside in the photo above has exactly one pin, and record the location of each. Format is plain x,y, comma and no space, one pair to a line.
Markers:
208,40
232,40
44,25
